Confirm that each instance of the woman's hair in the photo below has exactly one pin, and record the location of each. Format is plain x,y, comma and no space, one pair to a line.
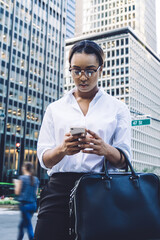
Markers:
88,47
29,168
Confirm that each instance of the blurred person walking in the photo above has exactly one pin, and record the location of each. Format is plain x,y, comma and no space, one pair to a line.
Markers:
26,188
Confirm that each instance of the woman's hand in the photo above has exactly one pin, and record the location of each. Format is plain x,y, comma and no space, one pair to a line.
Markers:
71,144
95,144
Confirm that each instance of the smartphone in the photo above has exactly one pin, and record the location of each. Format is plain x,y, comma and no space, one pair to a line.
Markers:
77,130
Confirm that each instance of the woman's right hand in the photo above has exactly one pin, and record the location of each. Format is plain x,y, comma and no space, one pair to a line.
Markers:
70,145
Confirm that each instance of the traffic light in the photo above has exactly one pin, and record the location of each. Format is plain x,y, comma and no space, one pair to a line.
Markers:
18,147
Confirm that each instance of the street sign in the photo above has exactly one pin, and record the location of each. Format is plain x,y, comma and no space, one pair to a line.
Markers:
141,122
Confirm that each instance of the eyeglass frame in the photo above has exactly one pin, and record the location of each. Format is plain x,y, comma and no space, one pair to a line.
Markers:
95,70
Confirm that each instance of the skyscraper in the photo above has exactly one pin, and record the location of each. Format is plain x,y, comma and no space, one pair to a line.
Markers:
94,16
32,40
70,19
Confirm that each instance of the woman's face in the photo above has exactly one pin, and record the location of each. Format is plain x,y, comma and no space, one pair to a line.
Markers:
83,61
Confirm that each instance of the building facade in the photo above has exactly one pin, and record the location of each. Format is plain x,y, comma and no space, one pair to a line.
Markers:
131,73
32,41
70,19
95,16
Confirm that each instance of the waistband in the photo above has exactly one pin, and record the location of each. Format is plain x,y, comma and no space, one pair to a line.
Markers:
66,175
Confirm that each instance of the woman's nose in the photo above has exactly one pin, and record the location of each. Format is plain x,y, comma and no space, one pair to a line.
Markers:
83,76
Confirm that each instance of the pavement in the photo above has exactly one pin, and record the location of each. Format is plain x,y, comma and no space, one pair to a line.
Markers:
9,220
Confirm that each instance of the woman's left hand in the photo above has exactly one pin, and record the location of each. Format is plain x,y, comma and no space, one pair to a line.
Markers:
95,144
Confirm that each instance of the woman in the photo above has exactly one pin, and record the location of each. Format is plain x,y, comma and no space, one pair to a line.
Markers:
67,157
26,189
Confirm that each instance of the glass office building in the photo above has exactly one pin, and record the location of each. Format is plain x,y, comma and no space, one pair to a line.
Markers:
70,19
32,41
131,73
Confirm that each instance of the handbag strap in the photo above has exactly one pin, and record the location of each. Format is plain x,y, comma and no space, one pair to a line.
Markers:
128,164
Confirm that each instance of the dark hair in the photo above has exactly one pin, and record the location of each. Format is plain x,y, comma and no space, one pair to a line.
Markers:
88,47
29,168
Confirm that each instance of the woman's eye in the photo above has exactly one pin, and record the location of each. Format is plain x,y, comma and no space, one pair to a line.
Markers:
89,72
77,72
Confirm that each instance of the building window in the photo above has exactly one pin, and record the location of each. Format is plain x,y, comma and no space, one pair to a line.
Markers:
126,40
122,61
117,71
113,63
126,50
117,91
127,70
127,60
122,42
122,71
112,92
126,80
117,43
108,83
117,62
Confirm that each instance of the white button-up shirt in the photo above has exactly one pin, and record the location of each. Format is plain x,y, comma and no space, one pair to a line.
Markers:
106,116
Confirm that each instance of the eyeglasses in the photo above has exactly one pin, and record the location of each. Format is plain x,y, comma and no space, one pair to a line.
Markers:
76,73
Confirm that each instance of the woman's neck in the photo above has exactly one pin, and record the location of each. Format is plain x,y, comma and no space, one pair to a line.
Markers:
86,95
26,172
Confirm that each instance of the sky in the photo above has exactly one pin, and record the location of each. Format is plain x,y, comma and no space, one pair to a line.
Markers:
158,25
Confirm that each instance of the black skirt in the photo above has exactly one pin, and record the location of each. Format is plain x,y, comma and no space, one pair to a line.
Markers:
53,217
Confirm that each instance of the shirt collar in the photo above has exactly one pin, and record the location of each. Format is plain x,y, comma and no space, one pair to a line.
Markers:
69,95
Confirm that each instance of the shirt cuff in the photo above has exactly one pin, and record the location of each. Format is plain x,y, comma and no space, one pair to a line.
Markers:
41,159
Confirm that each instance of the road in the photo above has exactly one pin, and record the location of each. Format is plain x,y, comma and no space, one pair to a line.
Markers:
9,221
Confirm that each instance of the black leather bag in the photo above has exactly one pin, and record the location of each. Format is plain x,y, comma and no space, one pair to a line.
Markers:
116,205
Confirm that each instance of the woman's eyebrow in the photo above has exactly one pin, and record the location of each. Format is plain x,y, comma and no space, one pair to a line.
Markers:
75,66
91,66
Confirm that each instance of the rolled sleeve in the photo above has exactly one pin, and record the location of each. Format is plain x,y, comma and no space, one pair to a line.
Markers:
122,136
46,139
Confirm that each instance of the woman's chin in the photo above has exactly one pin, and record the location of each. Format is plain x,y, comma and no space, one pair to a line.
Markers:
84,88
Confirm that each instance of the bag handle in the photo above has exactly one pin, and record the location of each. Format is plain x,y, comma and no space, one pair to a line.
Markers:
134,174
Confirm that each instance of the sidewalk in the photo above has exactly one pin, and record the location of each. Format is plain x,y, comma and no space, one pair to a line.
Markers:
9,207
9,220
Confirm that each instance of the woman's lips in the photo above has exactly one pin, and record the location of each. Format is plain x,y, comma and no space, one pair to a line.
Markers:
83,85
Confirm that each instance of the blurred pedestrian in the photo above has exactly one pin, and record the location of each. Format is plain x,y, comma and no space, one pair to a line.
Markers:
26,188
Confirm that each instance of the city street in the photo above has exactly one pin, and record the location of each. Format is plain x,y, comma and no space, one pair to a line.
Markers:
9,221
